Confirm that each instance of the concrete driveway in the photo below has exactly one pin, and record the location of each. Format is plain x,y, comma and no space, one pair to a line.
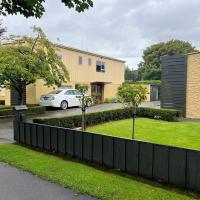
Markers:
6,125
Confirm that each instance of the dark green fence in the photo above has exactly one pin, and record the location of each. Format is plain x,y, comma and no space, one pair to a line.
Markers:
171,165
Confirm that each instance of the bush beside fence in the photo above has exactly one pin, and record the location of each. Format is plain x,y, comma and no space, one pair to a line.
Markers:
110,115
171,165
8,111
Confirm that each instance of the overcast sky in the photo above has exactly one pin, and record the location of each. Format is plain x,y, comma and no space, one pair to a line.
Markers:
117,28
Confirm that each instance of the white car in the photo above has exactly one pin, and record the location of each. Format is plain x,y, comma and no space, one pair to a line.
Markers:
61,98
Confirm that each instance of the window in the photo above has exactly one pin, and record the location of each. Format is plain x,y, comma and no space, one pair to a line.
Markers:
76,92
100,66
69,92
56,92
89,61
80,60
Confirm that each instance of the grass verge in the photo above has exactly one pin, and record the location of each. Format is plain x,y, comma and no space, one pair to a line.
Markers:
86,179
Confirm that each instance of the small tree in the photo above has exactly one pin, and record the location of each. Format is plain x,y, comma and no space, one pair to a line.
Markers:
133,95
85,101
27,59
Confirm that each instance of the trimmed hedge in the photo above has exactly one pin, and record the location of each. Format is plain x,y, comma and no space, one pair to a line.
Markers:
31,110
111,115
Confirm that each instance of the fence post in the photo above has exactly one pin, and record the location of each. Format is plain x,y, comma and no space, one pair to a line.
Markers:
20,116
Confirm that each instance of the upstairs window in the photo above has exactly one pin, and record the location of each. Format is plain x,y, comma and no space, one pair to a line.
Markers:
80,60
89,61
100,66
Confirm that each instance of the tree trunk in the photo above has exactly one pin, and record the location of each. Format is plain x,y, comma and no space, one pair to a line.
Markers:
21,91
133,125
83,113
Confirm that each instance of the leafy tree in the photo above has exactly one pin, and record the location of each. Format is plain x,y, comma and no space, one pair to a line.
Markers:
35,8
132,94
131,74
2,29
149,72
85,101
27,59
150,68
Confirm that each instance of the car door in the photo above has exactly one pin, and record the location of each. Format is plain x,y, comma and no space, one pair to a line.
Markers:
77,96
69,97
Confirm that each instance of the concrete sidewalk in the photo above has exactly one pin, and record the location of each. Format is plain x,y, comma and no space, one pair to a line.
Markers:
19,185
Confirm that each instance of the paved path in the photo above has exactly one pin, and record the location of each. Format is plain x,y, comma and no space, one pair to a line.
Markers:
19,185
6,132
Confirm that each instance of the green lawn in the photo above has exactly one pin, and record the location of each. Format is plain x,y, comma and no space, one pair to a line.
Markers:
85,179
182,134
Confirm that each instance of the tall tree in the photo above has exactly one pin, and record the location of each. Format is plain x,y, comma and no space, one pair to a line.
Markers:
131,74
132,94
2,29
27,59
150,68
35,8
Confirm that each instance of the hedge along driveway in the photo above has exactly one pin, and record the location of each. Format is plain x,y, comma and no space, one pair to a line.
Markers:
8,111
111,115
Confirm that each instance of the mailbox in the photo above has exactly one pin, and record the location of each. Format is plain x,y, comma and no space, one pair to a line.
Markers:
20,113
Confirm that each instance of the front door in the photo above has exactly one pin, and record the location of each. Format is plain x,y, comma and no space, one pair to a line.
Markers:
97,92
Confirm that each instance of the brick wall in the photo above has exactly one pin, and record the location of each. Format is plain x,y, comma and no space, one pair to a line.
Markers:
193,86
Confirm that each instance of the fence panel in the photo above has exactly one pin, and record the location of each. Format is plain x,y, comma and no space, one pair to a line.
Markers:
40,136
34,135
70,142
54,139
47,137
193,170
78,144
119,154
61,140
161,163
177,166
146,159
27,134
22,134
108,151
16,130
132,157
97,148
87,146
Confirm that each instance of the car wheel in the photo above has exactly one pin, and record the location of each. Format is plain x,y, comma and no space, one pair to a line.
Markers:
64,105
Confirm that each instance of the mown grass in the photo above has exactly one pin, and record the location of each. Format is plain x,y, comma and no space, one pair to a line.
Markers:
181,134
86,179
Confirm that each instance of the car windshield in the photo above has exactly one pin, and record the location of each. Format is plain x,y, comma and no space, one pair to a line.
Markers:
56,92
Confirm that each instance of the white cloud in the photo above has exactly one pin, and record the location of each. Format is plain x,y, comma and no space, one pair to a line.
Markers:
121,29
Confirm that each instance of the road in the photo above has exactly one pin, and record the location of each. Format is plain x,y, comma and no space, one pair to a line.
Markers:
19,185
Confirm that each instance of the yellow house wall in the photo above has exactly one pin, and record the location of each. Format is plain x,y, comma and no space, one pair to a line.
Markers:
113,76
193,86
2,94
7,97
114,70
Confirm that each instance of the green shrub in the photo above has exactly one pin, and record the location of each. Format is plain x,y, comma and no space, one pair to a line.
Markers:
31,110
111,115
5,107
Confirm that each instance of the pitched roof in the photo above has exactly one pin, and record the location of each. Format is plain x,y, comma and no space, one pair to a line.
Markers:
88,53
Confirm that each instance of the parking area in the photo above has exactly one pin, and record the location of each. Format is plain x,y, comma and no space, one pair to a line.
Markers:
6,125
